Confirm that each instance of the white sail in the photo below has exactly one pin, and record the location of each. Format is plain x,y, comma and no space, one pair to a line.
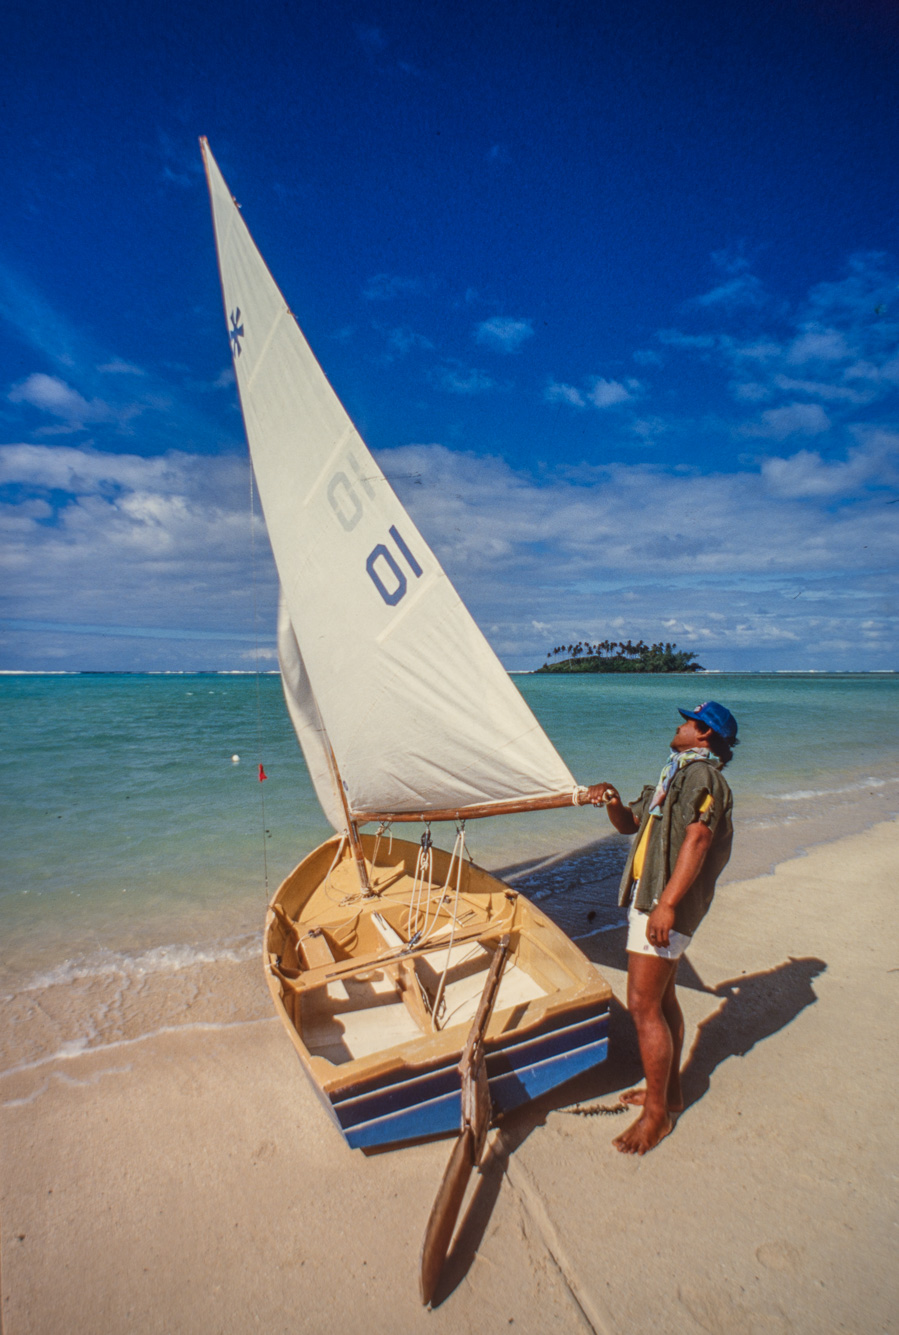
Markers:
387,668
306,720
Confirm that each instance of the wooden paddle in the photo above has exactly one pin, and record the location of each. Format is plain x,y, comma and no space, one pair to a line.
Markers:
476,1110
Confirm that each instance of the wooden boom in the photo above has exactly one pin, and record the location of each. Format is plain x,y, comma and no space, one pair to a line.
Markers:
512,806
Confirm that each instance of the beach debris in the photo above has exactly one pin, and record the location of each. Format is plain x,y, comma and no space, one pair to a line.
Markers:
594,1110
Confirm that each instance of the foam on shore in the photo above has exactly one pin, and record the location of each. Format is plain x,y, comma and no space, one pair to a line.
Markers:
101,998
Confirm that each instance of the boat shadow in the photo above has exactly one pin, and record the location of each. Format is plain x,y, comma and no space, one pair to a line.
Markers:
577,889
752,1007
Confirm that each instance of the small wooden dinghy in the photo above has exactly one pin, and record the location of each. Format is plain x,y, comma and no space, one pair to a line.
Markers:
422,995
378,990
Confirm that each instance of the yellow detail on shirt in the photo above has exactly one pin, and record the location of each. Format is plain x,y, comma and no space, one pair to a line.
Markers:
640,851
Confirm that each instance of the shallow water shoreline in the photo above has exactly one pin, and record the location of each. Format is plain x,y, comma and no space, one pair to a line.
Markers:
106,997
201,1149
139,855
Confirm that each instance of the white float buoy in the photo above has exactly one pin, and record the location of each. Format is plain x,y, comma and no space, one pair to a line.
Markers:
235,760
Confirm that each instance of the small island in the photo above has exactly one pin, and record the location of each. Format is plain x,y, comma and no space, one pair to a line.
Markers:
609,656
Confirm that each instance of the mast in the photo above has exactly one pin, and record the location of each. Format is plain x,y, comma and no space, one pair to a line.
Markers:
352,830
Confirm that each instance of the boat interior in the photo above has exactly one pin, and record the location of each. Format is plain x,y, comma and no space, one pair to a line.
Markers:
401,968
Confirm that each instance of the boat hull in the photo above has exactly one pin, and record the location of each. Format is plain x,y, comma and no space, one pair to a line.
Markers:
430,1105
384,1067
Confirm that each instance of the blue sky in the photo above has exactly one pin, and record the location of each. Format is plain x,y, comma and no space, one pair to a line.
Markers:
611,290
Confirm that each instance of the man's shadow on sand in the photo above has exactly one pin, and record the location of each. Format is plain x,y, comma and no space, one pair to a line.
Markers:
753,1007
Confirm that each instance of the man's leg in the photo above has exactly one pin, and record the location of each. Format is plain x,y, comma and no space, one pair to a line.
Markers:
652,1003
636,1098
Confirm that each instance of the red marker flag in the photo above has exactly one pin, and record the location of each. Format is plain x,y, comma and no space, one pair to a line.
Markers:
262,774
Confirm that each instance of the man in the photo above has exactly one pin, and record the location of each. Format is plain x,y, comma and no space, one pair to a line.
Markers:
684,840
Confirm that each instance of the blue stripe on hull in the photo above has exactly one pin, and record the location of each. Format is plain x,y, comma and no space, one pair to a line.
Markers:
363,1104
430,1104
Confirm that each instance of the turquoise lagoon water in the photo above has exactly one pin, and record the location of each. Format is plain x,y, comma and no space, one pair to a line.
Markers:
133,842
121,792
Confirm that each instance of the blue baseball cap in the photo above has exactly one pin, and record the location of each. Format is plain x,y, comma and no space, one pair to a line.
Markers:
716,717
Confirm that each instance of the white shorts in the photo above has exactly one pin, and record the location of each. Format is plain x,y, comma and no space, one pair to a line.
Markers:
637,943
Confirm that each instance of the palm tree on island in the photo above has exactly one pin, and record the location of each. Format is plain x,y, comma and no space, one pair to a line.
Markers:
624,656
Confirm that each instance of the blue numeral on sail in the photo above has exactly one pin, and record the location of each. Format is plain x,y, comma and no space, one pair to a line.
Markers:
413,564
392,595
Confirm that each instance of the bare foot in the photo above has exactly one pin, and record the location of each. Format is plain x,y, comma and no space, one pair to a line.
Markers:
636,1098
644,1134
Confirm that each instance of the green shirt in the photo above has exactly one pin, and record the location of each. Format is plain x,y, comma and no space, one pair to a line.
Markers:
682,806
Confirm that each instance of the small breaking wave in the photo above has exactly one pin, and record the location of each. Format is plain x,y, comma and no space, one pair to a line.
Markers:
158,960
85,1047
811,794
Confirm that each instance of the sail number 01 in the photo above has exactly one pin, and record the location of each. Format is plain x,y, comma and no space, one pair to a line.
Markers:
384,570
381,555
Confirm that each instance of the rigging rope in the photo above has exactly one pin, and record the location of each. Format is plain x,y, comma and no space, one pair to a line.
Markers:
457,855
424,864
262,774
385,825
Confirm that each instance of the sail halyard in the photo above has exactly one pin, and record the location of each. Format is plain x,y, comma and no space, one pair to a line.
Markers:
381,660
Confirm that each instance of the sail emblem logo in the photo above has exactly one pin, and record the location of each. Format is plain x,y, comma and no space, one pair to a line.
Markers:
235,333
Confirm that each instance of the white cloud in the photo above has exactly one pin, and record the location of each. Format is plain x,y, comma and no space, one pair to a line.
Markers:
387,287
806,474
886,374
756,350
118,367
635,519
785,555
816,344
750,391
95,388
606,393
181,163
775,555
822,389
601,393
649,429
676,338
742,290
164,541
558,393
403,339
769,566
458,379
52,395
838,347
866,294
504,334
796,419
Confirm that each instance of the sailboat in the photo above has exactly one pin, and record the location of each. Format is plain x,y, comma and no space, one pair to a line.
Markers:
423,996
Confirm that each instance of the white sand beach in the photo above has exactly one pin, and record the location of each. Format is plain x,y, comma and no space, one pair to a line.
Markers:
190,1182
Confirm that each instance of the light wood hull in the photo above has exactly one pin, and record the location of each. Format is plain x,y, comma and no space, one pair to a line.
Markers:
357,990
